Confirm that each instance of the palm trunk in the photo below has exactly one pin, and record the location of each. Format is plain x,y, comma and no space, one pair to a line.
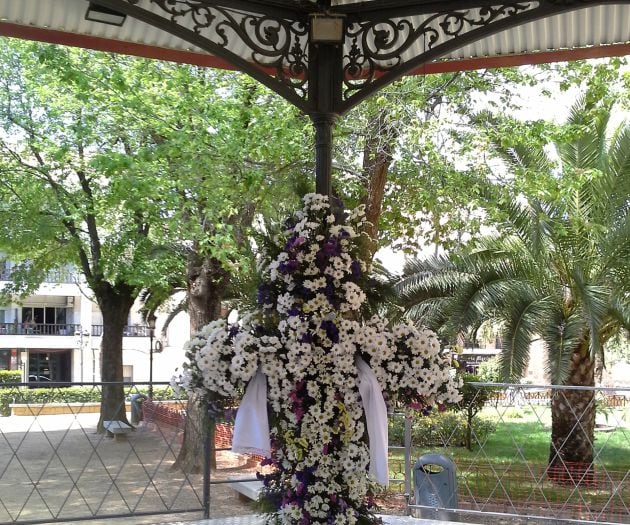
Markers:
573,424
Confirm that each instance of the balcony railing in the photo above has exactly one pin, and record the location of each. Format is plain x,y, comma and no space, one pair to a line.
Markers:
129,331
64,276
38,329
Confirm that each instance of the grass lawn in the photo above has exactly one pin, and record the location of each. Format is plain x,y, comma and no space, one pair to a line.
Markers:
509,466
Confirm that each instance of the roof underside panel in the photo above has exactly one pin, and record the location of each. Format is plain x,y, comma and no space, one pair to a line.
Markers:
594,26
584,28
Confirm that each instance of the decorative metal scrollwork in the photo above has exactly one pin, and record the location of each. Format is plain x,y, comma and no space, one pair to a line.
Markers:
377,46
275,44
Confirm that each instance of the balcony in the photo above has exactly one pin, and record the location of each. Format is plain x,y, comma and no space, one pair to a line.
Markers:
38,329
52,277
128,331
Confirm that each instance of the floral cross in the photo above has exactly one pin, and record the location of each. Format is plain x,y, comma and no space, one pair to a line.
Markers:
315,354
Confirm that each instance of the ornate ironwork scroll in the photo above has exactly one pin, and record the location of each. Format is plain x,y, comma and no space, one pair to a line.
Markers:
375,47
276,45
269,40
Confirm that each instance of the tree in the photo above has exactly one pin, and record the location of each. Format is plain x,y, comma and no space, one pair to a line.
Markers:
557,270
472,402
79,182
401,154
107,160
256,146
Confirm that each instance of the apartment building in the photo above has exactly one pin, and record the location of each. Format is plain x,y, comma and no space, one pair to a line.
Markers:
55,335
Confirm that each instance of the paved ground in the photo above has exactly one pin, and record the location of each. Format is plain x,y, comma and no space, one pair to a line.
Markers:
57,467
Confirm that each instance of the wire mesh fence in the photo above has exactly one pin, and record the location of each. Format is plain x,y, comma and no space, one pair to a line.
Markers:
512,465
551,454
55,466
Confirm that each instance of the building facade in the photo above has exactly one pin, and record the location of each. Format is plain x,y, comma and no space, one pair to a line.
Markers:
55,335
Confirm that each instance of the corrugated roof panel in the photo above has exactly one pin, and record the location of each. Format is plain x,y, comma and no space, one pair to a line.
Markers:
607,24
582,28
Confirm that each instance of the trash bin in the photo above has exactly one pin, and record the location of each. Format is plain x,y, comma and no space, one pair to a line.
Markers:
136,407
435,485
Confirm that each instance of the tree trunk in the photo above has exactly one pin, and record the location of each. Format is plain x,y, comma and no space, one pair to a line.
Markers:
207,281
190,457
573,424
377,157
115,308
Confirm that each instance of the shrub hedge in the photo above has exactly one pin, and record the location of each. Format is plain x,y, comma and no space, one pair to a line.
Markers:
77,394
10,376
439,429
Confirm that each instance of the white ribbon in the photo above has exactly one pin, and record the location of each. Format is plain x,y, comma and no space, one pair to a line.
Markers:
376,418
251,426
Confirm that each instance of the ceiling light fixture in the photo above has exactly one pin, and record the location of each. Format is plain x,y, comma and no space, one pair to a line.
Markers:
104,15
327,28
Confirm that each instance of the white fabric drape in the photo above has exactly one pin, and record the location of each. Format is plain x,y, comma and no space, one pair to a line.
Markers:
376,418
251,426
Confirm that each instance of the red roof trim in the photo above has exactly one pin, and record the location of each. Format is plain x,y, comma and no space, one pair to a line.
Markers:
540,57
115,46
206,60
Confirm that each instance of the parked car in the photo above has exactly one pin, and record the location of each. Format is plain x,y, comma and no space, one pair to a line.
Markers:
32,378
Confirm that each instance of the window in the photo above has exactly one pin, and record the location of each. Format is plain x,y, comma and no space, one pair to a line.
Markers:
127,373
5,359
53,317
5,270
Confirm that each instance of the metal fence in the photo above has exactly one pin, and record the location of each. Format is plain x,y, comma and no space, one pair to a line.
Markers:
128,331
508,470
55,467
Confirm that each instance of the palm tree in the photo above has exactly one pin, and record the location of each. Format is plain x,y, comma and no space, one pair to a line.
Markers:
557,271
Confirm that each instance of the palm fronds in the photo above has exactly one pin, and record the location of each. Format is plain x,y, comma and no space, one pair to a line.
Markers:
558,270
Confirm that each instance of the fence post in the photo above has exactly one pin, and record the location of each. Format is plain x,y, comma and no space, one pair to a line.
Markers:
408,421
207,453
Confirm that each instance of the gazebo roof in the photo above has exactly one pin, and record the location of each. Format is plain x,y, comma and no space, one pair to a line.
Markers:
599,29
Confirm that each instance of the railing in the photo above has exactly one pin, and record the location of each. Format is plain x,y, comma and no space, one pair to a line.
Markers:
502,466
54,276
54,466
62,277
38,329
128,331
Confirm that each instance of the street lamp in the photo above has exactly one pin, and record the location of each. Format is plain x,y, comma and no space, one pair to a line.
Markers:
81,341
151,324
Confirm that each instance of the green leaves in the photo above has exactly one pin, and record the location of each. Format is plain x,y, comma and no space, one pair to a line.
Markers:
557,269
106,158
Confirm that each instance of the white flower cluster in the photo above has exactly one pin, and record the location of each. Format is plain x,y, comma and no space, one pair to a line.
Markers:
412,368
318,270
309,335
222,360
